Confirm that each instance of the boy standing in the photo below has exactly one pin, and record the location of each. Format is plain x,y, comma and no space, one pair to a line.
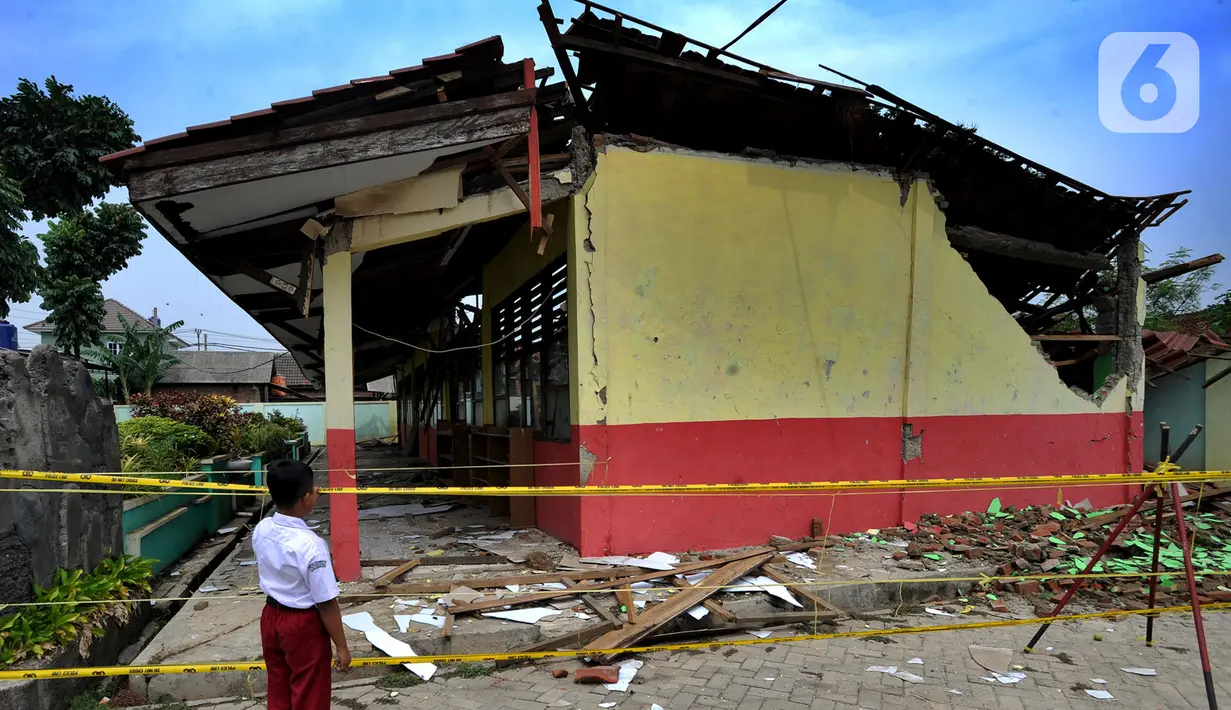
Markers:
301,612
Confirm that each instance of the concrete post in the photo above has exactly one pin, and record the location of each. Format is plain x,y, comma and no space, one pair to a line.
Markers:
340,402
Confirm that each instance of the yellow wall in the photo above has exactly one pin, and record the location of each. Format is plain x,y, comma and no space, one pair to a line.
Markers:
508,270
726,289
1217,418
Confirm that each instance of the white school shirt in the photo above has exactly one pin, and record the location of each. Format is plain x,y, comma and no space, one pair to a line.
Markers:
293,563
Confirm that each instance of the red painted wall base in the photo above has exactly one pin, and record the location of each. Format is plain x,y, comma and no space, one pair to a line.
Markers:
343,509
818,450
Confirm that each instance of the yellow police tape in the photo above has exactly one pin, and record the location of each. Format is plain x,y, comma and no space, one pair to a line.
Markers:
103,671
1166,475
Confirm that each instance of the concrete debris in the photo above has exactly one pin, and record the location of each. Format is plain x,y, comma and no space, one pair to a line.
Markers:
882,669
996,660
908,677
397,511
1100,695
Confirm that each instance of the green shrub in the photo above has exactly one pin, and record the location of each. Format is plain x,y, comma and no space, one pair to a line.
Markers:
155,444
293,424
36,630
264,438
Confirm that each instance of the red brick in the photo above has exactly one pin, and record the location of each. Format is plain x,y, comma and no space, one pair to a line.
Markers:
1016,536
598,674
1006,569
560,673
1054,586
974,553
998,605
1028,587
931,547
899,555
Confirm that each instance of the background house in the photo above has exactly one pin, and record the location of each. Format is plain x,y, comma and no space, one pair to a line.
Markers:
242,376
112,329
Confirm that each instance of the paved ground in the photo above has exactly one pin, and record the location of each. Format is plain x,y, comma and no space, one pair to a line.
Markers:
832,675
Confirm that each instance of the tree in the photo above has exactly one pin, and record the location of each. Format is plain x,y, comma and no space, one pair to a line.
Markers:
1167,300
19,267
141,361
50,145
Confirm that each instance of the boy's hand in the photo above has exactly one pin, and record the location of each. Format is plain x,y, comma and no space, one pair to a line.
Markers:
343,662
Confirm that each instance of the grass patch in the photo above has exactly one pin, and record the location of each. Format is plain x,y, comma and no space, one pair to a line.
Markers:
398,679
881,639
1065,658
385,701
348,703
474,670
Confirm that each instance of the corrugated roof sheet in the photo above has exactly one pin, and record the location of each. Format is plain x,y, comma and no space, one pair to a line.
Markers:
200,368
1169,351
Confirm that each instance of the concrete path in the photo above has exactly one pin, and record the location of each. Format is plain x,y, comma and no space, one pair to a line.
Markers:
832,674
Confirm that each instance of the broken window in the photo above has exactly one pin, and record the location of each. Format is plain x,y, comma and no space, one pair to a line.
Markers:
530,359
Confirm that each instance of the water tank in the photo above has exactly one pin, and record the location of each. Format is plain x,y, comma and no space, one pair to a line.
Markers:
8,336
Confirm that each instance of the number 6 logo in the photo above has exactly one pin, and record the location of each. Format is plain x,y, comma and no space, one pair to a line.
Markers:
1149,82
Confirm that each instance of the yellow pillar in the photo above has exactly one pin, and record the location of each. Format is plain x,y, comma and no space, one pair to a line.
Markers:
340,402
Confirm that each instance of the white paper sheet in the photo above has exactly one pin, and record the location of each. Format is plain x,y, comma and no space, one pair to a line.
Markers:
937,612
915,662
640,603
378,637
1100,695
1141,671
657,561
759,633
397,511
403,620
628,671
882,669
698,612
515,588
802,559
559,586
908,677
767,585
1009,678
524,616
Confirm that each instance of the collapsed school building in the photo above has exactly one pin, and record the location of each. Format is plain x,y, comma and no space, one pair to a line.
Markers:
671,264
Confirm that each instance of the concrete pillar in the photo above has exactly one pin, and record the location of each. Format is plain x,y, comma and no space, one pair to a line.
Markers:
340,402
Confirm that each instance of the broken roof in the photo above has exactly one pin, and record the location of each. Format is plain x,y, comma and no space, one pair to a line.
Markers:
209,367
648,80
233,195
1169,351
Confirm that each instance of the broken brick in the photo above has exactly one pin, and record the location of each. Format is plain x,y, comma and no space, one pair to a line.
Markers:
974,553
998,605
931,547
1005,570
560,673
1016,536
1054,586
899,555
597,674
1028,587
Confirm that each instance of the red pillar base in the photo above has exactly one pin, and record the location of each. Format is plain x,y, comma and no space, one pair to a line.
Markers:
343,509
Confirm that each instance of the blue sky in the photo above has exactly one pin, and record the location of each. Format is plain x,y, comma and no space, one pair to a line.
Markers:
1025,73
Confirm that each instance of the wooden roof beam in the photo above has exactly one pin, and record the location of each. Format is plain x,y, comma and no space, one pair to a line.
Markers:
983,241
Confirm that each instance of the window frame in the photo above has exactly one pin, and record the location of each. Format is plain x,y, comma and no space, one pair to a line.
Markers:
529,322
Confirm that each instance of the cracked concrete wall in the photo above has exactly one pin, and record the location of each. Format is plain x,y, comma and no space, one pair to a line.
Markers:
50,420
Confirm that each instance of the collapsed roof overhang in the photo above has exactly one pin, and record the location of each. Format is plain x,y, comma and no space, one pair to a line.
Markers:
237,197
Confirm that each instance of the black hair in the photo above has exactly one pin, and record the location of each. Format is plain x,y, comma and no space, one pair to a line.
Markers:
289,480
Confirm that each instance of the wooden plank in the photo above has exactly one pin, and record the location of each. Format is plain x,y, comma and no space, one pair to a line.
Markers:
1170,272
1076,337
443,587
171,181
576,638
981,240
625,596
744,623
392,576
447,631
597,606
811,600
675,605
323,131
714,607
438,561
622,582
